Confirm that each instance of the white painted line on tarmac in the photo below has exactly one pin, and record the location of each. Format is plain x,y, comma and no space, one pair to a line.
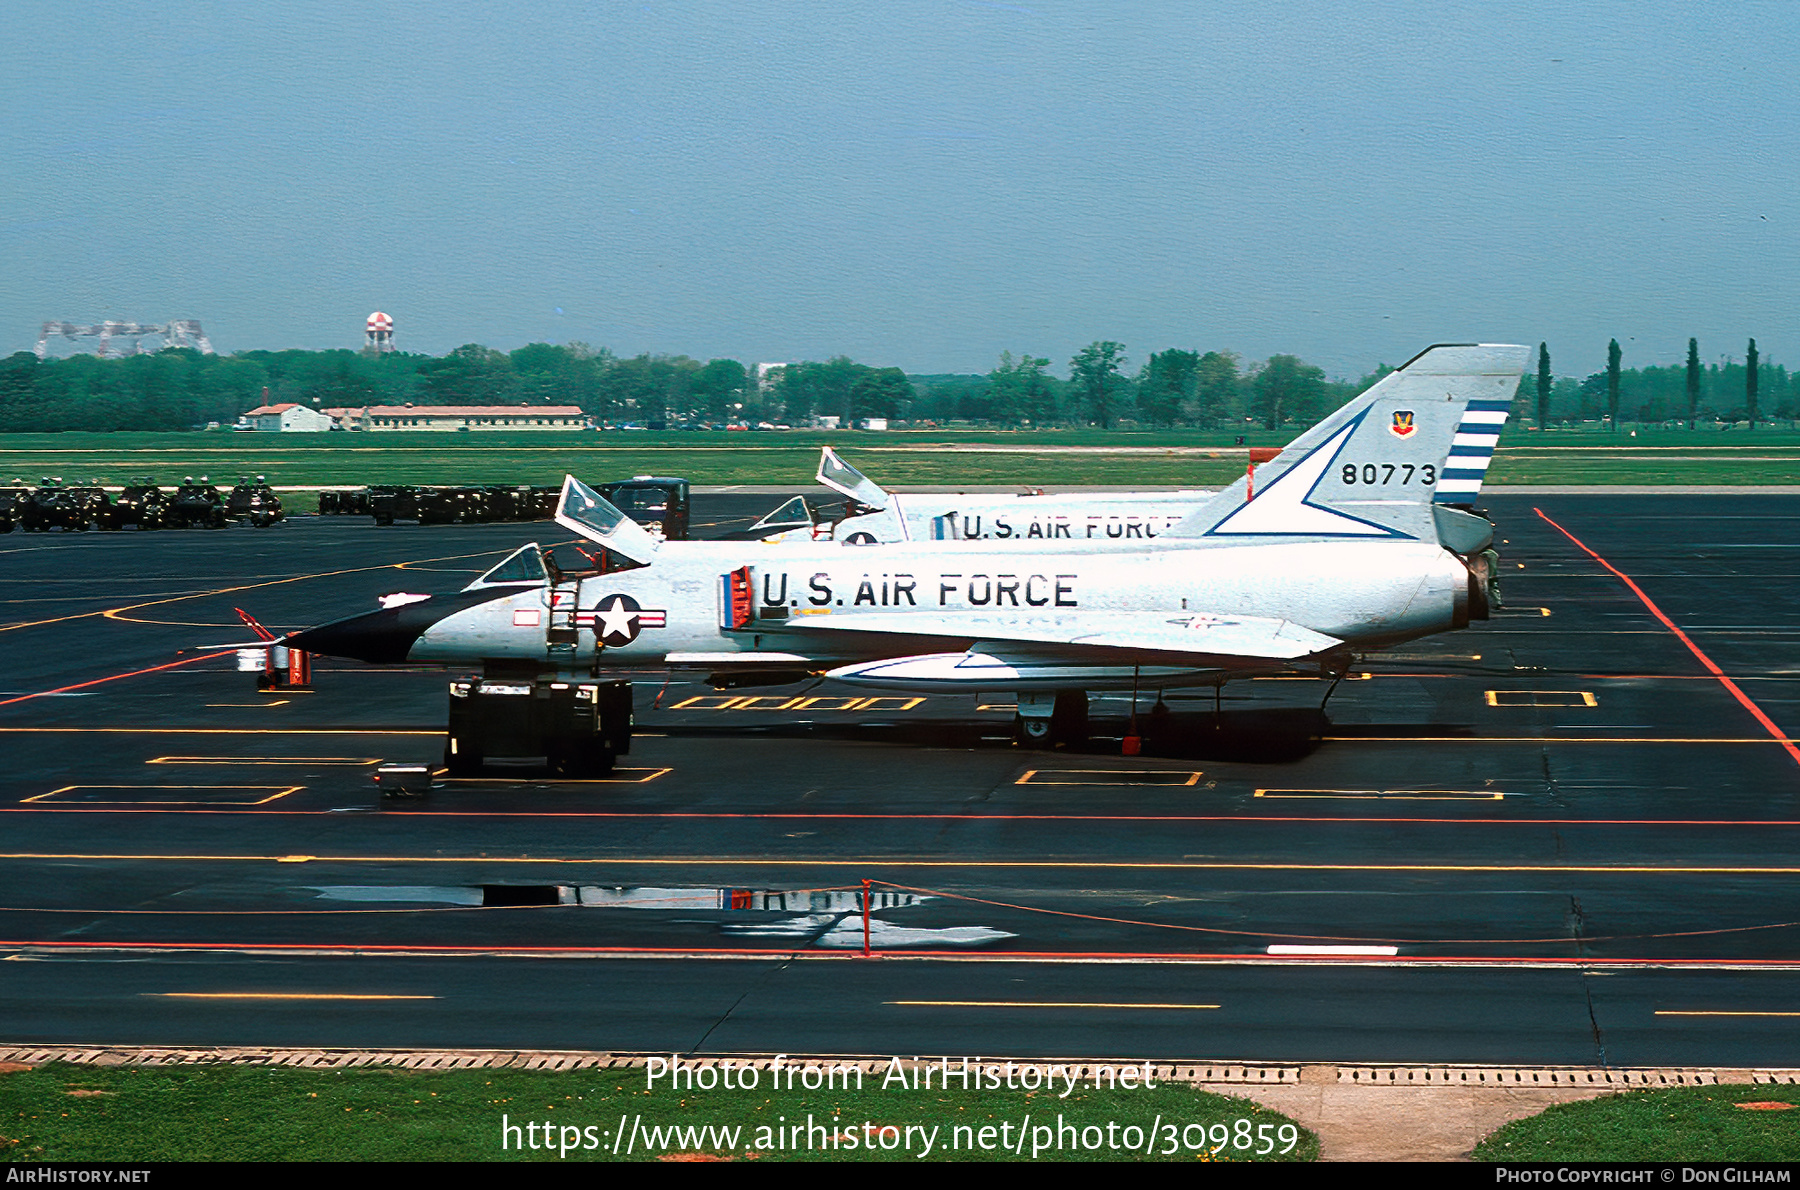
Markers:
1340,951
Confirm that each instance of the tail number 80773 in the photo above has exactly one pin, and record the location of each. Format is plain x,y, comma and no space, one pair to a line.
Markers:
1384,473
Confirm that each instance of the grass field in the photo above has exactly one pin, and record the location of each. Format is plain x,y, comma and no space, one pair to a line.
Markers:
939,458
62,1112
1683,1124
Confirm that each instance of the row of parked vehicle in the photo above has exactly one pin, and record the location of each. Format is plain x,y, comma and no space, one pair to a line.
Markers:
659,503
439,505
78,507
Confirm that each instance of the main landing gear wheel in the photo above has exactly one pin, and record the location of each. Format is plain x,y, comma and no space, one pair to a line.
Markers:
1066,724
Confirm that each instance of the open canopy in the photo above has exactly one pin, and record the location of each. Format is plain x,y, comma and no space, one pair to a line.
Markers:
583,510
840,476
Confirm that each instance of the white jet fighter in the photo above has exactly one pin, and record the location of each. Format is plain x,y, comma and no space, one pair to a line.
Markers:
1357,539
873,514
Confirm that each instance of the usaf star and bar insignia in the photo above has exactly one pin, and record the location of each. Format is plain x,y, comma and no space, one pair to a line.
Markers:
618,619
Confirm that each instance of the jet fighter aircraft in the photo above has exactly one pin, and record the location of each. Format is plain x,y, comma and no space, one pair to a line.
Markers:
1357,538
873,514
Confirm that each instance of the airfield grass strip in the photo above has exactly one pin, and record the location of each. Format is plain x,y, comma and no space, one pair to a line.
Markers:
68,1112
1679,1124
896,460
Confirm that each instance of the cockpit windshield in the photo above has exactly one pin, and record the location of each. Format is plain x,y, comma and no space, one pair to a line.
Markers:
524,566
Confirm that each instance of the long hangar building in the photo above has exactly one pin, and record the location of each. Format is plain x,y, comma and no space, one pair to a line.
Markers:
461,417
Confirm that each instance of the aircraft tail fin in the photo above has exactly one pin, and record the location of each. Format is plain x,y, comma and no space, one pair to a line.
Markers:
1423,434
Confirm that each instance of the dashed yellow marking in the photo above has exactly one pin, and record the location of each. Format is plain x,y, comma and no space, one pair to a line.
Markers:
779,702
816,703
1117,777
1540,698
765,702
278,791
707,702
875,704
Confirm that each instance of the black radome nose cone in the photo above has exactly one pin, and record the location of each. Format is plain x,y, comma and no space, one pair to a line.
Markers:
385,637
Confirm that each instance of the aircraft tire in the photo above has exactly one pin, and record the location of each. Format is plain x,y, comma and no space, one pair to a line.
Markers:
1033,733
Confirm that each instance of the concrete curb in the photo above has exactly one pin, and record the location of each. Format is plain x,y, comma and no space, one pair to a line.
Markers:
1196,1073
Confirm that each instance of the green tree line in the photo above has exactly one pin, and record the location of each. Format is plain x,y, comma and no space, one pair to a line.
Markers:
181,388
1727,391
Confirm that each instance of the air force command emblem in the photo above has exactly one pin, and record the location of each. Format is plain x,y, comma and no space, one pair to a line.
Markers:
1403,424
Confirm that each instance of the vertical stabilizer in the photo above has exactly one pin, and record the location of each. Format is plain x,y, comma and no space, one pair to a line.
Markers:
1374,467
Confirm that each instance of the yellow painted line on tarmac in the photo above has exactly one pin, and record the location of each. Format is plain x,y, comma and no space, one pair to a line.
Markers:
1037,1004
1673,1012
116,613
1166,777
879,862
1386,795
280,702
326,760
279,996
783,702
161,798
643,776
1536,698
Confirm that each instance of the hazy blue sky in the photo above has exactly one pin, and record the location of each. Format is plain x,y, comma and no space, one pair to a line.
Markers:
915,182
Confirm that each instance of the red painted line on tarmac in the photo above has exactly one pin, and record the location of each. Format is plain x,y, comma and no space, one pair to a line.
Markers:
654,814
1756,711
715,953
115,677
